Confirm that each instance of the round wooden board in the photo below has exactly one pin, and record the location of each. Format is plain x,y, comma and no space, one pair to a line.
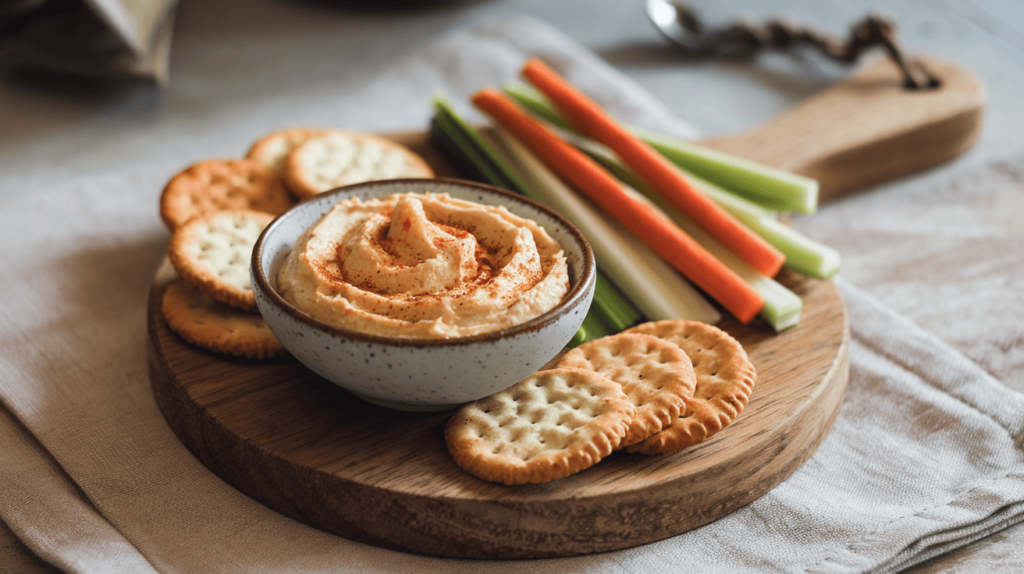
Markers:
309,450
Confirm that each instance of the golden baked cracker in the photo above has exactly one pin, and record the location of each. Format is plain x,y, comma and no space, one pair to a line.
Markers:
655,374
272,149
218,185
547,426
200,320
338,158
213,252
725,379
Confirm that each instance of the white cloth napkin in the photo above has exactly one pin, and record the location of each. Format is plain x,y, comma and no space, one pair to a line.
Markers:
927,453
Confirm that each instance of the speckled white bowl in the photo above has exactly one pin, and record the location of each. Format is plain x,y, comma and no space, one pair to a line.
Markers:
421,374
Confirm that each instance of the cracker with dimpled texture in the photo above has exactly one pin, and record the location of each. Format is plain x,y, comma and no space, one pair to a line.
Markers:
725,380
336,158
272,149
655,374
200,320
213,253
550,425
219,185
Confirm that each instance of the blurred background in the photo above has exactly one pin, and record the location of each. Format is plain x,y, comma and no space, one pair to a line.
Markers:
228,59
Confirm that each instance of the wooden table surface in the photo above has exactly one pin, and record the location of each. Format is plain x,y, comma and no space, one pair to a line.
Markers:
57,135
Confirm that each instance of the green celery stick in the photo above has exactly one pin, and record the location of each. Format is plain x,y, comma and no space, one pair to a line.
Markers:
469,157
803,254
655,288
458,138
772,188
531,98
781,306
620,313
592,328
490,162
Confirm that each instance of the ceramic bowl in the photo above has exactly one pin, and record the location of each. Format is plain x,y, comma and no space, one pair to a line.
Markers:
421,374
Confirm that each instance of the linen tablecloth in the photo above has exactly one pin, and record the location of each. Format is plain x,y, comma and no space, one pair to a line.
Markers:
927,453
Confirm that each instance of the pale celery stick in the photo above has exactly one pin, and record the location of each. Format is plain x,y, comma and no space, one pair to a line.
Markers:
781,306
532,99
653,285
803,254
731,202
766,186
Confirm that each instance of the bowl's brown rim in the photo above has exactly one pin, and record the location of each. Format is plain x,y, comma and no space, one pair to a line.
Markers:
572,299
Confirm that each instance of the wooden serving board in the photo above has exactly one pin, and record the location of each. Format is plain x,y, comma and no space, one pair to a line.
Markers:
311,451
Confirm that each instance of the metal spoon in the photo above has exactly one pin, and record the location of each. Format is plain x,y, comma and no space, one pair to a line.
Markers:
675,24
680,26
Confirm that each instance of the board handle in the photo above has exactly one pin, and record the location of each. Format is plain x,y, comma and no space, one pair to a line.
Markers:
869,129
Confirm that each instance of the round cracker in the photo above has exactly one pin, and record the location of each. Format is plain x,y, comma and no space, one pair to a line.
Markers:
213,252
272,149
336,158
725,379
218,185
655,374
550,425
200,320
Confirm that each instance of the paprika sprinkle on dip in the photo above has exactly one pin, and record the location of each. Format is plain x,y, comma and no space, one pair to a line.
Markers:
423,266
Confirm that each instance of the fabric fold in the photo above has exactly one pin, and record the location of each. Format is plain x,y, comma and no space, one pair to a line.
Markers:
47,511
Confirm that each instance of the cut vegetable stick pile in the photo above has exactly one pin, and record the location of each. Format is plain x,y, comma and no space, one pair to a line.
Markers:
644,214
654,169
656,230
610,312
658,291
770,187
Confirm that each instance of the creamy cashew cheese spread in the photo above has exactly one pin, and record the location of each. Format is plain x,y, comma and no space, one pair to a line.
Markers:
423,266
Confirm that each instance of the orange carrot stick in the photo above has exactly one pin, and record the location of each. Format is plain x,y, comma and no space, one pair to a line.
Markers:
654,169
649,224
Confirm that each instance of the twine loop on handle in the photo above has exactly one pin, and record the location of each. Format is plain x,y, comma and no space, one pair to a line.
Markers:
744,39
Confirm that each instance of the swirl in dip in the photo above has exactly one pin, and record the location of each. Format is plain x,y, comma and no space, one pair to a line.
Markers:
423,266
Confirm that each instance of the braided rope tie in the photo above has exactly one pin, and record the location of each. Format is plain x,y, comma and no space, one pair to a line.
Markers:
744,39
